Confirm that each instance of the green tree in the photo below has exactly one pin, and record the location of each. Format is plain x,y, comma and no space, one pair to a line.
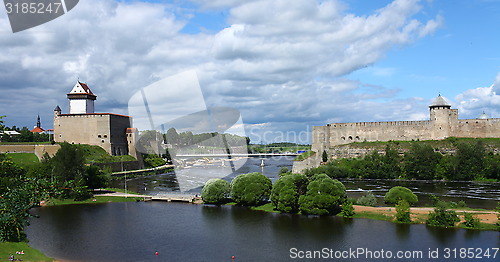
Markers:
250,189
2,126
286,191
324,196
283,171
324,156
391,163
368,199
10,173
470,161
153,160
216,191
403,212
442,217
400,193
14,206
347,210
470,220
94,177
421,162
172,136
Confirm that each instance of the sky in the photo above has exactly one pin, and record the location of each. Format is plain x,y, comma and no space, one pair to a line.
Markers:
285,65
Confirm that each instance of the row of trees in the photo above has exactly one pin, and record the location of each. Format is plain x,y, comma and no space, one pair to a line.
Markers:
188,138
292,193
64,176
469,162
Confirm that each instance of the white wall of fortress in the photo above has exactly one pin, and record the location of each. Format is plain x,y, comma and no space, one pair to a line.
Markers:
104,130
444,123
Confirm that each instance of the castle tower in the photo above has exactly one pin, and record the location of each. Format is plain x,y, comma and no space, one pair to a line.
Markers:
81,99
443,118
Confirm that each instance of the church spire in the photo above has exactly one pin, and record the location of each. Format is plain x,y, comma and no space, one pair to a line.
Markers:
38,124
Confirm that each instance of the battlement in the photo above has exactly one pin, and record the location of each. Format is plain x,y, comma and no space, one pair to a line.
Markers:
386,123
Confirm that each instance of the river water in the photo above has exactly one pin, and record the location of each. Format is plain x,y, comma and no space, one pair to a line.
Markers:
186,232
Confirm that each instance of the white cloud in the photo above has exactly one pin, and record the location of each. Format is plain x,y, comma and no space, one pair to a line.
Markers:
474,101
281,63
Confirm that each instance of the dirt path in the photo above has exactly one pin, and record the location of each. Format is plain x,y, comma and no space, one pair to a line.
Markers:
489,217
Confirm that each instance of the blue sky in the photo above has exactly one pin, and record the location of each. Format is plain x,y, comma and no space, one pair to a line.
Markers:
285,65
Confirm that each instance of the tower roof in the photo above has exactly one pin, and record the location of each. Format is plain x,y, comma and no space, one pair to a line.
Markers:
439,101
483,116
81,90
57,109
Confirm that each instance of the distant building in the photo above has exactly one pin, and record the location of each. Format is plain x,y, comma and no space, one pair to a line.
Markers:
82,125
38,128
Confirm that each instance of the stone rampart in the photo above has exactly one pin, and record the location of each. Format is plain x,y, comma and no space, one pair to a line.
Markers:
38,150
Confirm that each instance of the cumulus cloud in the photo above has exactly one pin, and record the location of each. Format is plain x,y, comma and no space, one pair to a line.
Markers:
281,63
474,101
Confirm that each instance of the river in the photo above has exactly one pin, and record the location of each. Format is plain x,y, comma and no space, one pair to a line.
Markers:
186,232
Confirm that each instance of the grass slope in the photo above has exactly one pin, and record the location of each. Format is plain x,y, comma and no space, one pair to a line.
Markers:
30,254
96,154
23,159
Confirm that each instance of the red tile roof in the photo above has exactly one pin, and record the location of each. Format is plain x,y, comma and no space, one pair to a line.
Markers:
86,88
37,130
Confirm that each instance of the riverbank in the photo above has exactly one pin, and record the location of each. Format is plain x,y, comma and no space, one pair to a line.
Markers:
8,249
487,218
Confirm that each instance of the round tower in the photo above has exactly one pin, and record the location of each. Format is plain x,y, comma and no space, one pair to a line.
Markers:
442,117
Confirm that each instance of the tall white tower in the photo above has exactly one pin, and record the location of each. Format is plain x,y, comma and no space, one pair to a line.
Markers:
81,99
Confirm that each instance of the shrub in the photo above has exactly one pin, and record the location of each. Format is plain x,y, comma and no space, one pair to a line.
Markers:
403,212
498,213
250,189
347,210
470,221
286,192
283,171
324,196
400,193
367,200
216,191
442,217
324,156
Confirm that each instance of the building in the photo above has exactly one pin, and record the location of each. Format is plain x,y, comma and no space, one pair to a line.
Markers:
38,128
82,125
443,123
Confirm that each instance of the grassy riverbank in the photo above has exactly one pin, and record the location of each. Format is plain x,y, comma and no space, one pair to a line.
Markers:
8,249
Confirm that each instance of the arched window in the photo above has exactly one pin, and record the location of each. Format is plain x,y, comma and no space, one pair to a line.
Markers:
350,137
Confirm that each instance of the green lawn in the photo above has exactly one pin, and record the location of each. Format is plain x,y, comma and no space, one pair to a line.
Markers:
23,159
30,254
98,199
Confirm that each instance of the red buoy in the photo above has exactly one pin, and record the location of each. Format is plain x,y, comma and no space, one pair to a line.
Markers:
156,253
232,257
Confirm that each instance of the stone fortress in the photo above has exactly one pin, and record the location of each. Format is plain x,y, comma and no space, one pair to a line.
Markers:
82,125
443,123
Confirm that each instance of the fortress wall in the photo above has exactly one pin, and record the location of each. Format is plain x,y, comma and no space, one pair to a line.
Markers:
38,150
477,128
379,131
83,129
104,130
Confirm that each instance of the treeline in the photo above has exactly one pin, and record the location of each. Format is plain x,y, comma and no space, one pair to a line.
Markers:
188,138
64,176
25,136
470,162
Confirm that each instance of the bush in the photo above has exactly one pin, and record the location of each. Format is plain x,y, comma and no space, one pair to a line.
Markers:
283,171
286,192
367,200
400,193
215,191
347,210
442,217
403,212
250,189
324,196
470,221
